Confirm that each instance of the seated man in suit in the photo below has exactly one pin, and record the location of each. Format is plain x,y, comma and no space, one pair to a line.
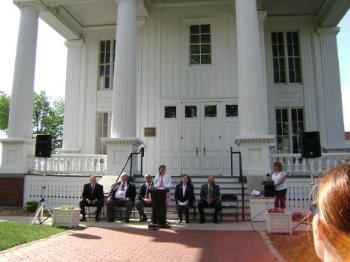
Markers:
144,197
122,194
210,197
92,196
184,197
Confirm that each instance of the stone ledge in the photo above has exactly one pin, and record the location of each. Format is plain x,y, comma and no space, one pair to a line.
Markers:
254,139
13,141
122,141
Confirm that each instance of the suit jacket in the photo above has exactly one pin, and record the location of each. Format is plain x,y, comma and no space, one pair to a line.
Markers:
130,192
215,190
96,194
143,189
189,194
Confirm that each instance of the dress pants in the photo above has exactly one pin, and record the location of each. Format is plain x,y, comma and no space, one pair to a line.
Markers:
140,205
84,203
183,209
202,204
118,203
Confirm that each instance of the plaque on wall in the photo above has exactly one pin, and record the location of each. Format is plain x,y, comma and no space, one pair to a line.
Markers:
150,131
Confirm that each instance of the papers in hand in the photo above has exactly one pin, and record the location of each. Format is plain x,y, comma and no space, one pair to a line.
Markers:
120,194
183,203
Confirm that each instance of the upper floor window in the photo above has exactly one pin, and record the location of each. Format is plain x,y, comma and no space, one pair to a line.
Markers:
107,57
200,44
286,57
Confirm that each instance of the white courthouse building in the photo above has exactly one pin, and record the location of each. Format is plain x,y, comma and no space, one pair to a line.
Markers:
188,80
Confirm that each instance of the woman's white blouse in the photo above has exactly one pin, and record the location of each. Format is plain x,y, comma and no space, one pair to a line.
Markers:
277,177
166,180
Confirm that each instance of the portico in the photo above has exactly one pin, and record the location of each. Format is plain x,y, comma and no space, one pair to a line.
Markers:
204,76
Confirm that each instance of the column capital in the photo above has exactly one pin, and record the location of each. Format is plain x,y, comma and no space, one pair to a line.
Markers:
74,43
262,14
37,5
328,30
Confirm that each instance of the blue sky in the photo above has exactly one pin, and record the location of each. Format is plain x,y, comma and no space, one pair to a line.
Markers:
52,55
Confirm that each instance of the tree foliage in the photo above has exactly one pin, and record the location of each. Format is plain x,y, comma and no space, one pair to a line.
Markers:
47,116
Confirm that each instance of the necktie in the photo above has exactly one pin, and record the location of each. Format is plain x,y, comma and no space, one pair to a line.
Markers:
123,187
161,184
92,188
147,192
210,193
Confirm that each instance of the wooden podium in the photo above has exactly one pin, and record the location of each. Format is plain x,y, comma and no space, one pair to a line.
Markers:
159,209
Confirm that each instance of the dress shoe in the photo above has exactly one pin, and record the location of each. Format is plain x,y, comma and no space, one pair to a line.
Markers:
202,221
126,220
180,220
110,220
97,219
215,221
187,221
83,219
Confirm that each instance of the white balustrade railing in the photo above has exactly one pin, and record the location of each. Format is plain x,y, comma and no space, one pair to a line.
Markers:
294,163
72,164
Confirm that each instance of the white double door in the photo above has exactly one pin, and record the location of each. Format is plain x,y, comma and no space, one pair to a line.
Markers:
196,138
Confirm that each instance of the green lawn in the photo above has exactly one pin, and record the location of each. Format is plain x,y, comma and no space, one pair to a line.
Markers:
13,233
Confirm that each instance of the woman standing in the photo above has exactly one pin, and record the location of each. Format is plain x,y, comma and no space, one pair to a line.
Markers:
163,180
279,178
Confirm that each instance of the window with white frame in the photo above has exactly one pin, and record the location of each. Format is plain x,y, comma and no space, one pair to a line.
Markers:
200,44
103,130
286,57
107,57
289,127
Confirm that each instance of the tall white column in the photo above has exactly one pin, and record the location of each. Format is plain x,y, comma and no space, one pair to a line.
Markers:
124,90
253,137
330,99
17,149
71,131
123,139
21,108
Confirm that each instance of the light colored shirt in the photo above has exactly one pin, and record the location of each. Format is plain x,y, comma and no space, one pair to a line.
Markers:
183,189
120,193
166,181
277,177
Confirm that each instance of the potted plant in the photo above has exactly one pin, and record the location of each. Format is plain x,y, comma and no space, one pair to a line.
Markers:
66,216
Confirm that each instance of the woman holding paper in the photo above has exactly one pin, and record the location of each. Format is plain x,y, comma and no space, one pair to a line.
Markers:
184,197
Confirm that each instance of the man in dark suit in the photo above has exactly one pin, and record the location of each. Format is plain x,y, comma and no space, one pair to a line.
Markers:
184,197
92,196
210,197
122,194
144,197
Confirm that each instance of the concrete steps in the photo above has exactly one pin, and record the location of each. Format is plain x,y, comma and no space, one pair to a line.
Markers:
228,185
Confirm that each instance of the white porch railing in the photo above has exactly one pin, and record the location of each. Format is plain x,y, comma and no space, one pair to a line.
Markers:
72,164
295,164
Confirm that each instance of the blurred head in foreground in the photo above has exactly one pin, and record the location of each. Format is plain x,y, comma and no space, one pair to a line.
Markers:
331,226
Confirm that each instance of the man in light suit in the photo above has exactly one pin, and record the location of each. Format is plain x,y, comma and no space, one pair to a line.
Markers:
144,197
122,194
92,196
209,197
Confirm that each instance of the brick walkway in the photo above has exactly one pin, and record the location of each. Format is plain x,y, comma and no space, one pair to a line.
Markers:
140,245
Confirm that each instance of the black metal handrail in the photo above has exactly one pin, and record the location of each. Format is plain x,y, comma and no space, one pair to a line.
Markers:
130,157
241,178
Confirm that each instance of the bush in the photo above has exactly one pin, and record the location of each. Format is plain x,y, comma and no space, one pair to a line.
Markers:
31,206
67,207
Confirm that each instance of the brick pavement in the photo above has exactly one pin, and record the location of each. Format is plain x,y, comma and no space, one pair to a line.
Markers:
141,245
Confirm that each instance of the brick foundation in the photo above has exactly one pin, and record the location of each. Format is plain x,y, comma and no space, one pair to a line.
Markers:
11,191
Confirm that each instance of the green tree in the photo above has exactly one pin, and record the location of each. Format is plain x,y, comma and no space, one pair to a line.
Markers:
47,116
4,111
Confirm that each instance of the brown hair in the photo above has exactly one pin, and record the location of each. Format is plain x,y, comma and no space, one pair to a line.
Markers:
161,167
333,202
279,164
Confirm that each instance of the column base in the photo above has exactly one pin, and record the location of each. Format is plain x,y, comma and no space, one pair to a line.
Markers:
17,155
118,151
256,161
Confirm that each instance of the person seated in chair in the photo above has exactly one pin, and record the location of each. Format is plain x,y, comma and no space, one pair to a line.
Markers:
144,197
210,197
184,197
92,196
122,194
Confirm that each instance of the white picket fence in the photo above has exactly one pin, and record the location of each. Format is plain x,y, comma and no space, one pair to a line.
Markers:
72,164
